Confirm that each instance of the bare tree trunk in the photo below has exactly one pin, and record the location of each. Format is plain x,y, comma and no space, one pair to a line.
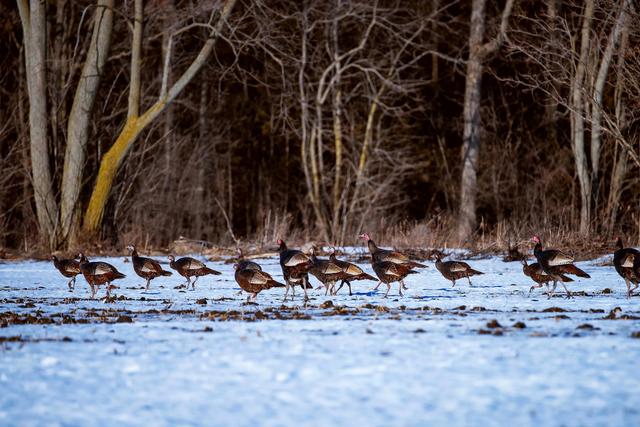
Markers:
551,105
471,111
596,111
80,116
620,156
136,124
136,60
308,149
577,120
471,118
33,17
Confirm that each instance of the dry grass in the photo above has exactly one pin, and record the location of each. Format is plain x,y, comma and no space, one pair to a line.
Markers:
437,233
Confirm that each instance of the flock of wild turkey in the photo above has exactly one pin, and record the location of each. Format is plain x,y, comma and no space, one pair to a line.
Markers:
553,267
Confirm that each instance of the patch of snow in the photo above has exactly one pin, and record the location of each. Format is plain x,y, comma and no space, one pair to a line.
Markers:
423,362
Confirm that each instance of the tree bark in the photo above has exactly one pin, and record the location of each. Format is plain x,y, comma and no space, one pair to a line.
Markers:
551,106
135,125
596,110
471,118
33,17
471,111
620,155
577,121
337,128
136,60
80,116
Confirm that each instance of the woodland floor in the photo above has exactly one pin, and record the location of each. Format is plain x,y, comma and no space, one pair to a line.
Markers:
482,355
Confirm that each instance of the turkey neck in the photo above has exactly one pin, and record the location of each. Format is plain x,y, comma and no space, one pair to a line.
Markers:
134,253
282,247
537,251
372,246
619,244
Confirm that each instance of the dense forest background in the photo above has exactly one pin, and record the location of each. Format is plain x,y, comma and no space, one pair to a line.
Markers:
221,121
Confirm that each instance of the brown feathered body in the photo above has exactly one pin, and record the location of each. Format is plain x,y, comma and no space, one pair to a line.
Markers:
326,271
455,270
189,267
389,272
98,273
295,268
537,274
146,268
627,263
386,255
390,266
350,272
255,281
556,264
68,268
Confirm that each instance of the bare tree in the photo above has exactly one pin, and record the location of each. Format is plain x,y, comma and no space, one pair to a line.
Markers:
478,52
33,17
136,123
79,119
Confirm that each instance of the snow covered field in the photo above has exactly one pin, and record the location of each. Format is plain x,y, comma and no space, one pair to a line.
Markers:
167,357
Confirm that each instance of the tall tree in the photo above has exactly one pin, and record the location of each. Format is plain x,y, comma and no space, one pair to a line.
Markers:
136,122
80,117
34,28
478,52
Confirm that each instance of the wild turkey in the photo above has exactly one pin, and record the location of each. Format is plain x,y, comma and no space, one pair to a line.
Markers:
98,273
389,272
537,274
189,267
454,270
254,281
350,272
385,255
146,268
68,268
327,272
556,264
624,260
245,264
295,269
